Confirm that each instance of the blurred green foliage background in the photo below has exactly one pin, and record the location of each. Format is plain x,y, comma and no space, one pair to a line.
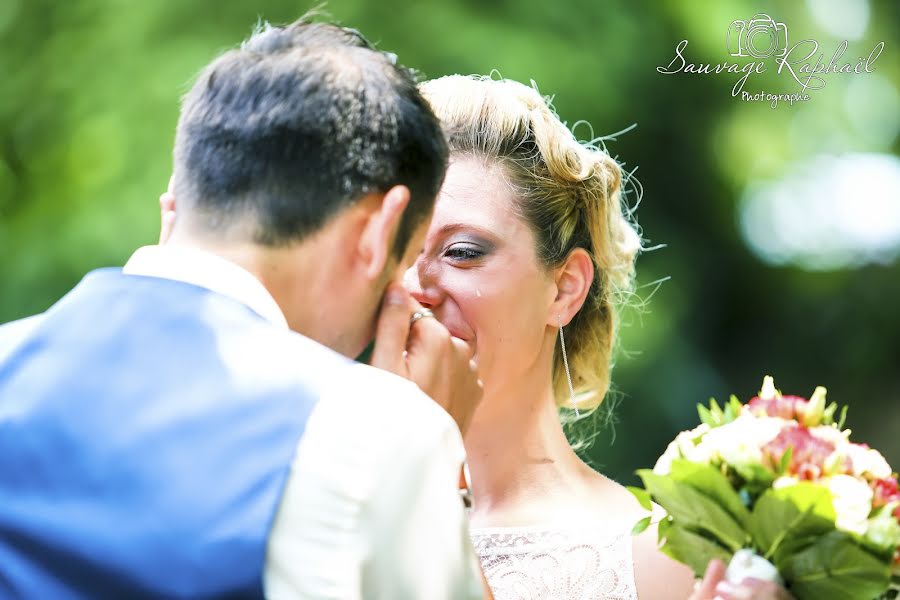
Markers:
752,203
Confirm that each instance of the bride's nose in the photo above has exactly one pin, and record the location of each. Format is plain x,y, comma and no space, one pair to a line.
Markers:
422,291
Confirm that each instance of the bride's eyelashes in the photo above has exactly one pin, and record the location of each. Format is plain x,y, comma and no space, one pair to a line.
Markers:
464,253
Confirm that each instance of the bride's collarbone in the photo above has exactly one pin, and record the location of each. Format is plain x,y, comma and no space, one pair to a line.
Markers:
604,505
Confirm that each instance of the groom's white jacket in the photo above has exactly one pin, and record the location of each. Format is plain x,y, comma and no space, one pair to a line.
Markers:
370,508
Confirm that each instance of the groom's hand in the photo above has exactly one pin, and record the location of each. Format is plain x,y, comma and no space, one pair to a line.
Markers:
425,353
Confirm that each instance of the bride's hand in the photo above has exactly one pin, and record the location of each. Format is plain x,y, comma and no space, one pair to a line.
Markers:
715,587
166,214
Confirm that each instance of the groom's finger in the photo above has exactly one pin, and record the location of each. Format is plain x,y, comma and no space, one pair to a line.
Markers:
392,330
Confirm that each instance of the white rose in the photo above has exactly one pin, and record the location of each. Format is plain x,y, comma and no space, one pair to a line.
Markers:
683,446
868,462
740,442
784,481
852,499
692,447
834,462
747,563
831,434
883,530
664,463
740,452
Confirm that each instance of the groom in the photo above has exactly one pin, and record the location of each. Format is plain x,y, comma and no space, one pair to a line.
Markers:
191,425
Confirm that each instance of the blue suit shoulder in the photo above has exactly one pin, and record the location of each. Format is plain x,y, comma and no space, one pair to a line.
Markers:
12,334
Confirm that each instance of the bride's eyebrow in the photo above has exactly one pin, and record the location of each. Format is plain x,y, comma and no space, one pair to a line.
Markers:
449,228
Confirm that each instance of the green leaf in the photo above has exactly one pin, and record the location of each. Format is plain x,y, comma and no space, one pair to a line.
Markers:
691,548
642,495
790,513
835,567
785,461
717,413
843,418
663,528
757,478
694,510
715,416
729,413
641,525
791,546
828,414
711,482
735,405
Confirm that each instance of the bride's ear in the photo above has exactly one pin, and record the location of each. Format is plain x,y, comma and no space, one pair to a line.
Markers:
380,230
573,282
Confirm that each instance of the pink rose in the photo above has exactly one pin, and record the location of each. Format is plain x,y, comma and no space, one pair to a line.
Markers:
808,455
786,407
886,491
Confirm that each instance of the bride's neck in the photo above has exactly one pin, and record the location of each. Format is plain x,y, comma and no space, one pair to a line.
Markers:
519,458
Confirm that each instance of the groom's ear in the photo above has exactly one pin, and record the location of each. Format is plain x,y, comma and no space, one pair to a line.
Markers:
380,230
573,282
167,212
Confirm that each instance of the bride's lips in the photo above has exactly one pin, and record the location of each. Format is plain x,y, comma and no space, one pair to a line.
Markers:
459,332
455,326
468,338
455,332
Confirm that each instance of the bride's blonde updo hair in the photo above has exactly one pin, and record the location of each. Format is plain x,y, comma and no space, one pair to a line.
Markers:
570,195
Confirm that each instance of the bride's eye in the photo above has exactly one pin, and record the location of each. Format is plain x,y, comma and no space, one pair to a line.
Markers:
463,253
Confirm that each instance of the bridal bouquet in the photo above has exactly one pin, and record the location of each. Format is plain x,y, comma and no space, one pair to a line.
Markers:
776,489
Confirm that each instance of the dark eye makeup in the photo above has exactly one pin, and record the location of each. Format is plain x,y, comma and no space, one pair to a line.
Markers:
467,251
463,253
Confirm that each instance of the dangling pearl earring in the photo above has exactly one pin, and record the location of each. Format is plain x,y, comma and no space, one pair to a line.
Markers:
562,343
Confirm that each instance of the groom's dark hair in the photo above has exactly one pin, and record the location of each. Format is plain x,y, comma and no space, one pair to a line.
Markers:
301,121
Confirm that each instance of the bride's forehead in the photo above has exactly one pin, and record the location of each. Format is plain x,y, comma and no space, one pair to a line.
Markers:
472,190
491,220
478,211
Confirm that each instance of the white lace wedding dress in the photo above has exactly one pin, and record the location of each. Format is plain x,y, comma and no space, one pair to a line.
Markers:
534,563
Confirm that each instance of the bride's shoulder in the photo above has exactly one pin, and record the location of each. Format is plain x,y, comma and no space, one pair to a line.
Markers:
619,505
655,574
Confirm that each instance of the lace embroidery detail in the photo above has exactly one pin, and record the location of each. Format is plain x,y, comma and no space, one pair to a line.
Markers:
550,564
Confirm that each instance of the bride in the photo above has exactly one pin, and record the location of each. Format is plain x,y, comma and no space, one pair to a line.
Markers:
528,258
